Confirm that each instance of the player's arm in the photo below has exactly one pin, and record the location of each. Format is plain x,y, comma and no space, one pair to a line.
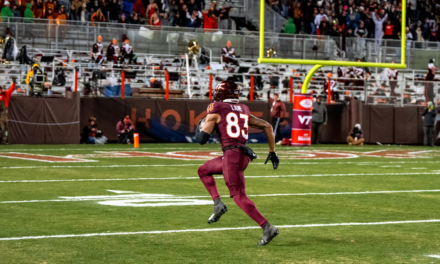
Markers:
258,123
206,127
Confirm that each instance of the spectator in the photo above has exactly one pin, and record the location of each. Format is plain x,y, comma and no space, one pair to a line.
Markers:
5,95
125,130
50,15
61,16
165,21
428,124
84,14
378,21
389,29
98,16
15,11
134,19
6,12
209,20
277,112
151,9
114,11
29,16
319,118
318,19
66,4
297,15
224,16
50,4
192,6
155,20
429,85
123,20
113,51
228,54
356,136
194,20
128,7
290,28
177,21
102,4
75,10
139,8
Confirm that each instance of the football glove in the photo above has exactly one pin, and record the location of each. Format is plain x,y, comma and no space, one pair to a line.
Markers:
274,158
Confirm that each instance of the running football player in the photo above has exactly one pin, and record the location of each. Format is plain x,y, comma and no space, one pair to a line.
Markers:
231,121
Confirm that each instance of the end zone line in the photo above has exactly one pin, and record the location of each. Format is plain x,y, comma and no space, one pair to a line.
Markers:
215,229
143,196
221,177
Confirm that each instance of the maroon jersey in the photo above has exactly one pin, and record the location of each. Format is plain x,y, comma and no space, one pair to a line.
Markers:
234,123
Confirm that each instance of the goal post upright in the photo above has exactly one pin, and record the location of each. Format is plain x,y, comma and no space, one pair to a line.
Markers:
319,63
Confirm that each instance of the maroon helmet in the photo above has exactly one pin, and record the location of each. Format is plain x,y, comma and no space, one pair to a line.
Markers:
226,90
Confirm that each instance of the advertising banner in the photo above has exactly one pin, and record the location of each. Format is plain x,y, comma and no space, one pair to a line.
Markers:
302,120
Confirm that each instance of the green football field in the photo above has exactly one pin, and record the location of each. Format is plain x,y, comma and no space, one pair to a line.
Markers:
117,204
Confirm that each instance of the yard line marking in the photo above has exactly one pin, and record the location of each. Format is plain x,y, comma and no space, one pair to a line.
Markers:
434,256
216,229
141,196
182,165
221,177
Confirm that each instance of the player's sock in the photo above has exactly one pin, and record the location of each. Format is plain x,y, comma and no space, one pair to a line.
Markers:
250,209
210,185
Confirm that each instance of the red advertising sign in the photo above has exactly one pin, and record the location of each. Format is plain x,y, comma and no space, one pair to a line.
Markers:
302,120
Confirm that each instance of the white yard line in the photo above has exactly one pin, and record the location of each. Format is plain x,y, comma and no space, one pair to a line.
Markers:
434,256
221,177
216,229
183,165
141,196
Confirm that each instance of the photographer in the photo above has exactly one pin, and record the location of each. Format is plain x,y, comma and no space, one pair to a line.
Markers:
356,136
91,134
5,95
428,124
35,79
125,130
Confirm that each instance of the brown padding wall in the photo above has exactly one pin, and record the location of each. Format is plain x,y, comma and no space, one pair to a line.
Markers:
60,120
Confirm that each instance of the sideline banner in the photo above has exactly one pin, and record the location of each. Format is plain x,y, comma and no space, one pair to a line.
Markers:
302,120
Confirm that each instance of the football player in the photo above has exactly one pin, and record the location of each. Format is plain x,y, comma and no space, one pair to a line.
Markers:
231,121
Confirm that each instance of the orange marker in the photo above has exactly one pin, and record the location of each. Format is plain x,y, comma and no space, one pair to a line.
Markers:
136,140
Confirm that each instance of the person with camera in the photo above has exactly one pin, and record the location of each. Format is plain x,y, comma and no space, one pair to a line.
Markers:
5,95
35,79
356,136
428,124
125,130
91,133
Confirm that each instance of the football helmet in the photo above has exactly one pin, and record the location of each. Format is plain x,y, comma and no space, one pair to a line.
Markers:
227,91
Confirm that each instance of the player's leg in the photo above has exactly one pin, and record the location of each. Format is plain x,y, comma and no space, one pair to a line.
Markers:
234,165
206,172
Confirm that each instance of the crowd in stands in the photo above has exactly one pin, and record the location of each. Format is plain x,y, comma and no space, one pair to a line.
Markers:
175,13
360,18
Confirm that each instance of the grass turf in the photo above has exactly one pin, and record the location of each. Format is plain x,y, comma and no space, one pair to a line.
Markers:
51,214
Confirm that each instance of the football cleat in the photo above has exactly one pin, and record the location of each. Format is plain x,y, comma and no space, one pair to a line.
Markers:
219,210
269,232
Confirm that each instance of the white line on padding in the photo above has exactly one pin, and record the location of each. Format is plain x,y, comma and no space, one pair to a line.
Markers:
140,196
216,229
220,177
